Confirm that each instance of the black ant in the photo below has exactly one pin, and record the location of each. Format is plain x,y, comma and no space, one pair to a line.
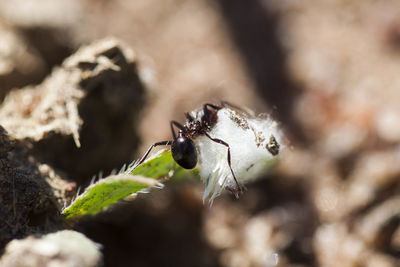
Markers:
183,148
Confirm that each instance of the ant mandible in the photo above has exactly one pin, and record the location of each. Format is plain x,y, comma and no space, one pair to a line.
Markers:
183,148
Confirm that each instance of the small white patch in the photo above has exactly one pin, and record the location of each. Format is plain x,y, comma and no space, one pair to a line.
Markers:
248,138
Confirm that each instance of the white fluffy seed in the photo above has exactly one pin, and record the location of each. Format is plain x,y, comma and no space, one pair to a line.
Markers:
250,143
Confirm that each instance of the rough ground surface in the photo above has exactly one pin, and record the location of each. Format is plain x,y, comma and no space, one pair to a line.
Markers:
329,70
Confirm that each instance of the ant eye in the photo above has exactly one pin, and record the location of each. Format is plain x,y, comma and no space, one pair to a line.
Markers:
184,152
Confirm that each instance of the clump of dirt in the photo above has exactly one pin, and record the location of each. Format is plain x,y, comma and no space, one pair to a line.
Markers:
27,202
47,143
92,98
64,248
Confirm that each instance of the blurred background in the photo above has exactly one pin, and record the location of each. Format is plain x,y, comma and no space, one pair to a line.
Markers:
327,70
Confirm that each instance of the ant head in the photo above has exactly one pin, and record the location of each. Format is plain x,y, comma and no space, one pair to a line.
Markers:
184,152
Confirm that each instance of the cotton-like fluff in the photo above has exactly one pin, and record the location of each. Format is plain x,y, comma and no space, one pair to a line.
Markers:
254,142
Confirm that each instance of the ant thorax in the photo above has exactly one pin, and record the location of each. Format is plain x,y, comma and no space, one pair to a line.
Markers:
253,141
199,122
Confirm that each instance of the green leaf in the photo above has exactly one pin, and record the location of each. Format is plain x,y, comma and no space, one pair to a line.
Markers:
114,188
106,192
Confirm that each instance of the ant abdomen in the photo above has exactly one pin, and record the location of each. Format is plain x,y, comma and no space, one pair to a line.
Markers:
184,152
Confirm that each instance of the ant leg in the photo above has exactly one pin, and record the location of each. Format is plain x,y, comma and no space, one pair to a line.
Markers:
240,188
244,110
162,143
211,106
188,116
177,125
